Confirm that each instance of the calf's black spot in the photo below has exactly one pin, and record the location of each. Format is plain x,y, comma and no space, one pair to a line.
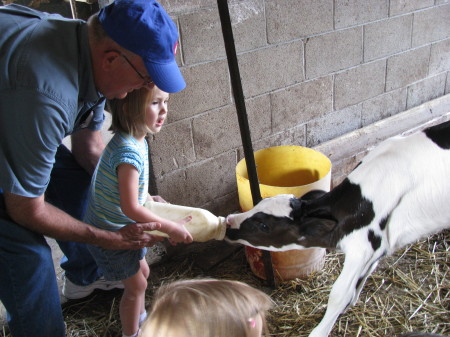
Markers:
375,240
348,203
440,134
383,223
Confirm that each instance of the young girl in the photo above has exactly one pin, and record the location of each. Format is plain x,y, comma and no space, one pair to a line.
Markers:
118,192
207,308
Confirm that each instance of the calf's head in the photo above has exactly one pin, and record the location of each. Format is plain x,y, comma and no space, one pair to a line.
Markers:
281,223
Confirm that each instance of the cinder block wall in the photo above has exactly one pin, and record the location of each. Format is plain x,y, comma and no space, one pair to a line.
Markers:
312,71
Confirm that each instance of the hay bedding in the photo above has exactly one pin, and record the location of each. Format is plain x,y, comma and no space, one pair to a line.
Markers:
409,291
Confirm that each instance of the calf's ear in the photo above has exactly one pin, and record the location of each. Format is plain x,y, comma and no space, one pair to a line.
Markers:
299,205
297,211
311,195
318,230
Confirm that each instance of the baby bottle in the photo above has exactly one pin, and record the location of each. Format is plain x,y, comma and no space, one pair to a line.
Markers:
204,225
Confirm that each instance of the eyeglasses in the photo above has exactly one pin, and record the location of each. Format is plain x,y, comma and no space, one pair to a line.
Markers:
147,80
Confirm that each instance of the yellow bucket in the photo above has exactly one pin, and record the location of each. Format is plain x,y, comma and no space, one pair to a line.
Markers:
286,169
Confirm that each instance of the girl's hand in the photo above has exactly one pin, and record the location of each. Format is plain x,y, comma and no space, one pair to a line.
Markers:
179,233
158,198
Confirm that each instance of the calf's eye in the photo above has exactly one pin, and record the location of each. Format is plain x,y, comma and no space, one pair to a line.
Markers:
262,226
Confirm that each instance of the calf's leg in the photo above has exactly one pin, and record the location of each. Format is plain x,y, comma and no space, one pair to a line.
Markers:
358,265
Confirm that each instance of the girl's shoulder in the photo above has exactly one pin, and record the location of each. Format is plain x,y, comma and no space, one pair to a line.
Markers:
121,139
123,148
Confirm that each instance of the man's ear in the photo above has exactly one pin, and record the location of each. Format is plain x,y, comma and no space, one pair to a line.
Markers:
109,59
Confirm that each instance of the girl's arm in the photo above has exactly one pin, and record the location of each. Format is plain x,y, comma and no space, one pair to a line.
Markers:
128,177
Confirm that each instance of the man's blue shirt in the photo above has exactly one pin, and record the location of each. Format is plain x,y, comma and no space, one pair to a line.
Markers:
46,86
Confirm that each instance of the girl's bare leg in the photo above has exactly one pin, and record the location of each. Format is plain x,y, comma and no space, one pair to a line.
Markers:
132,304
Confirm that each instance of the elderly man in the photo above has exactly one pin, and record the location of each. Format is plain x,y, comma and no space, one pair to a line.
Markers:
55,76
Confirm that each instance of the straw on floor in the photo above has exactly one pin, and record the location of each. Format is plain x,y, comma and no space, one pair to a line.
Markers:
409,291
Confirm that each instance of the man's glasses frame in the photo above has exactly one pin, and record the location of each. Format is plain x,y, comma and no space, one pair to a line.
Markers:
147,80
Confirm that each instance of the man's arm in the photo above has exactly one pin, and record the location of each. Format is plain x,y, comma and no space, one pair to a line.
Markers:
40,216
87,147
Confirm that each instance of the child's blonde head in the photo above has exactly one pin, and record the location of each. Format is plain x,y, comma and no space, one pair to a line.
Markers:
205,308
128,114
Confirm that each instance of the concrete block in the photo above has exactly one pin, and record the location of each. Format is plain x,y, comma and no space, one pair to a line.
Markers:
447,86
359,83
354,12
397,7
172,148
440,57
408,67
298,135
387,37
207,87
431,25
289,20
383,106
294,136
201,182
426,90
249,24
202,37
332,52
301,103
271,68
174,7
223,205
215,132
260,116
218,131
333,125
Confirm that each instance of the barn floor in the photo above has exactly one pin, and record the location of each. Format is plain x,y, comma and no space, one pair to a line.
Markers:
409,291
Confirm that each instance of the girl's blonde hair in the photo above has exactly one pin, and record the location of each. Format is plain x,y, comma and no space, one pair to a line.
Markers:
205,308
128,114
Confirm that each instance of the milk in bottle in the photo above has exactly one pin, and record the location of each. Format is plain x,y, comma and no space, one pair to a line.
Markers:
204,225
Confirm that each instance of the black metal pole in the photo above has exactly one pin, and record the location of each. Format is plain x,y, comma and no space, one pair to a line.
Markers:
243,120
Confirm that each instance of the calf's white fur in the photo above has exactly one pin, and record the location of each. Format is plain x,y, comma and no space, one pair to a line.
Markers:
399,193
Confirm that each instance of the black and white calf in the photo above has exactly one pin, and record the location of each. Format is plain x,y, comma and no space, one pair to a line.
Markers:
399,193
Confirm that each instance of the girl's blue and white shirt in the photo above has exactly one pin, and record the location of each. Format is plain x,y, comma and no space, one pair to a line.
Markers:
103,210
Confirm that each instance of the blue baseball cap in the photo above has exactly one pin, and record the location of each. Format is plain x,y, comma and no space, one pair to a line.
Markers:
144,28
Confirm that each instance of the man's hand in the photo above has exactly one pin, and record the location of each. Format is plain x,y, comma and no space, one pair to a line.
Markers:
133,236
